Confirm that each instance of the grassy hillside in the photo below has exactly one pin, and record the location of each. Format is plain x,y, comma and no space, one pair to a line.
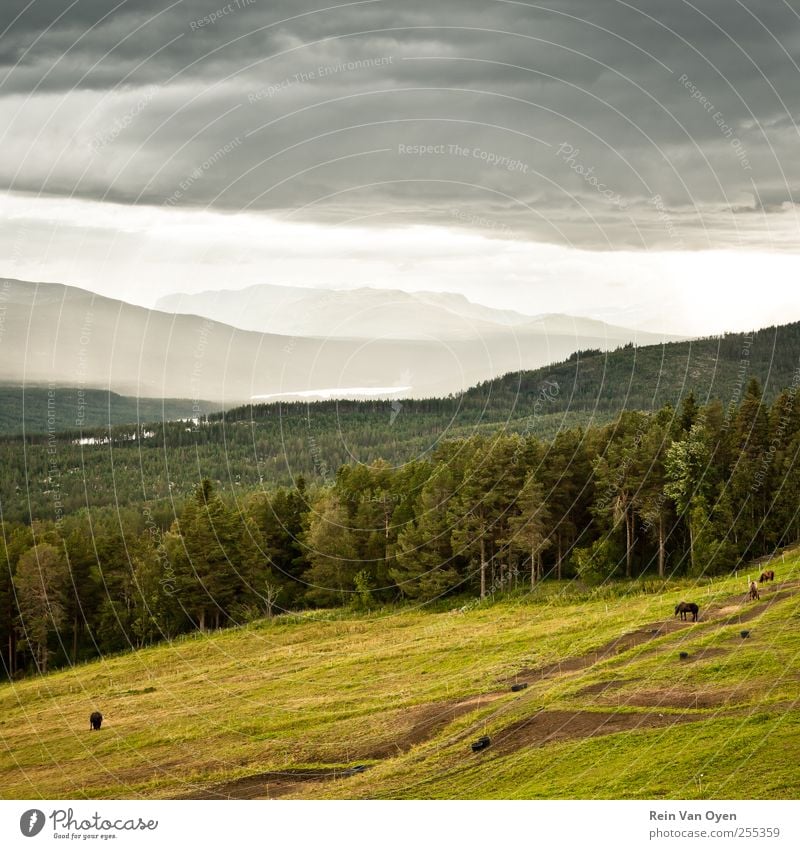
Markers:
289,707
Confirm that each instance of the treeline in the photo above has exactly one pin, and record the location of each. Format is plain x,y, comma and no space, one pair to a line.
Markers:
696,490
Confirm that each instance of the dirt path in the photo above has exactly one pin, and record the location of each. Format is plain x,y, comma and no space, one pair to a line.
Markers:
428,720
271,785
543,727
732,610
617,646
425,722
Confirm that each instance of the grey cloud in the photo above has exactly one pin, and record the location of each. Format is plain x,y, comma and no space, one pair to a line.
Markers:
653,99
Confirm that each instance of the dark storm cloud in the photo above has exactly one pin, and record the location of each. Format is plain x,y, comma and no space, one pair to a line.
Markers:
599,122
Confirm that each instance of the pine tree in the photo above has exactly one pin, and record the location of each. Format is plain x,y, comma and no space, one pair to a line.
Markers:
332,552
751,435
41,583
565,472
619,478
529,527
653,505
203,548
476,509
688,415
425,567
688,485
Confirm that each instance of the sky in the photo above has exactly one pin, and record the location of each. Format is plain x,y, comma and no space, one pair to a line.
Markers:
630,161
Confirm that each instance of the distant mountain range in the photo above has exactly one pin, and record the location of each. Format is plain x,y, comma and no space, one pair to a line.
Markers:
368,313
346,344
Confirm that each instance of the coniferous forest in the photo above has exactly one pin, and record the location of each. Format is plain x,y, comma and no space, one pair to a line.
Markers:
698,489
140,458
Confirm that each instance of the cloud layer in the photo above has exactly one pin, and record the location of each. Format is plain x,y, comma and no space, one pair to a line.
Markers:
593,123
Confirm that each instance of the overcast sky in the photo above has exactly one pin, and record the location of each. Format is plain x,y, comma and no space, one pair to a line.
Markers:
636,162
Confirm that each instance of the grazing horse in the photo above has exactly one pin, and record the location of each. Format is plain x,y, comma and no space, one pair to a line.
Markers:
687,607
768,575
95,721
754,595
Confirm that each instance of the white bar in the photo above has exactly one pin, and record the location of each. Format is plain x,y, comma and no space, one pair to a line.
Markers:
404,825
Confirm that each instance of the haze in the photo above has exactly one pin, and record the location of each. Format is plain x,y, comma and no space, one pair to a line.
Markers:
631,163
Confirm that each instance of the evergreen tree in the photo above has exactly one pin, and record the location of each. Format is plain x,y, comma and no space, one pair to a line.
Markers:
620,473
653,505
331,551
529,527
687,465
565,472
475,511
204,551
41,583
425,566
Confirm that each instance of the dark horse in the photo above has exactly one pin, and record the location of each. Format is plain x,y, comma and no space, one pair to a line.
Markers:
769,575
687,607
95,721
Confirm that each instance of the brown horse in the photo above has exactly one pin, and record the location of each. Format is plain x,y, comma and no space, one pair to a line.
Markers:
687,607
767,575
754,595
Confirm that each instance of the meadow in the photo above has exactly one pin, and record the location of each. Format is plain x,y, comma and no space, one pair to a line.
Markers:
385,704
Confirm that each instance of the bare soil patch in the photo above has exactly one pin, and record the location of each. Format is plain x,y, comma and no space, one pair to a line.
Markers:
425,722
767,600
271,785
421,723
727,609
610,649
554,726
674,698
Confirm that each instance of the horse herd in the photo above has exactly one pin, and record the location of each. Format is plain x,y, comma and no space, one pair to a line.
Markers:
686,607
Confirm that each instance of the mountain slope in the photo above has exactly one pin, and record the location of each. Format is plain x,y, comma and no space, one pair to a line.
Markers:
67,336
26,409
646,378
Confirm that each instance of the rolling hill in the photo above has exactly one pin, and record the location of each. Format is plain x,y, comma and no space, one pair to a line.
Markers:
386,704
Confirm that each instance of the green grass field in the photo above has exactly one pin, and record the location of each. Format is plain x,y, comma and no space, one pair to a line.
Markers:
287,707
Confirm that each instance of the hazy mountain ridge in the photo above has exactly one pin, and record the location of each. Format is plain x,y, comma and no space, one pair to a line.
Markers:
67,336
369,313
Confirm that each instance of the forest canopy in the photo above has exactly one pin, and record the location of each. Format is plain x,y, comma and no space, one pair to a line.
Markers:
696,490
